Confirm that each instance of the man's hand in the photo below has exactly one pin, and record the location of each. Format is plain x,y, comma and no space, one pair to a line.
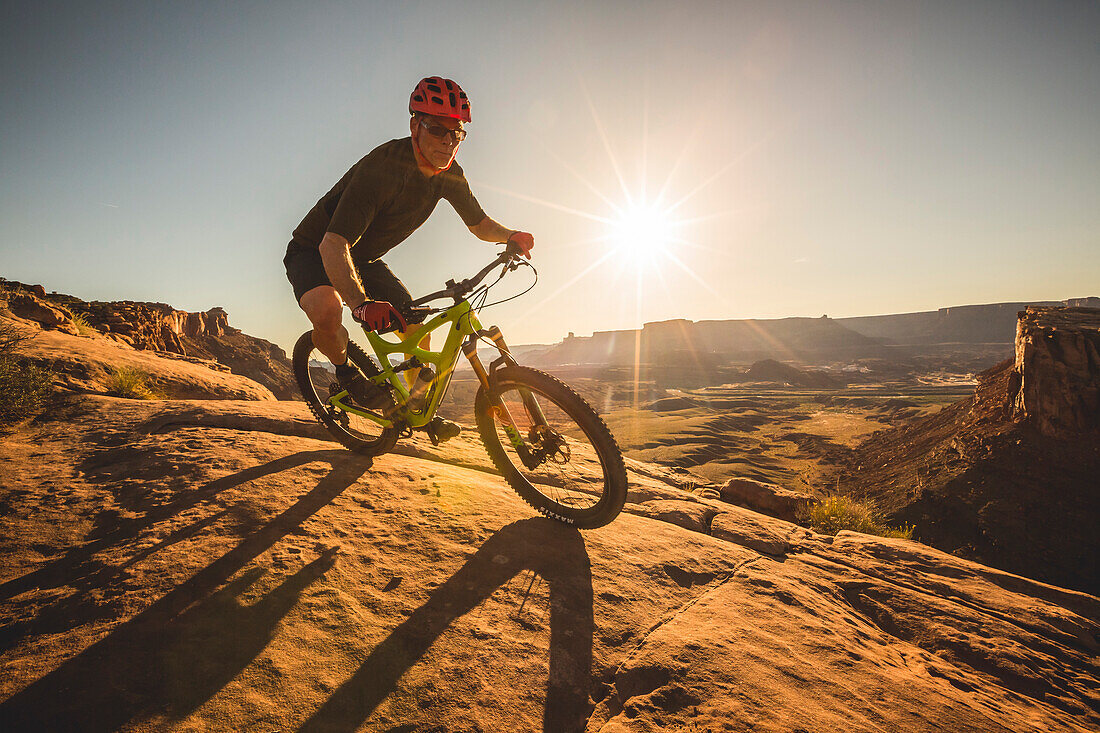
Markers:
377,315
522,242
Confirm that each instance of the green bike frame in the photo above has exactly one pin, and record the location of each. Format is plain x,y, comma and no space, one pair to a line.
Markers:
465,325
462,337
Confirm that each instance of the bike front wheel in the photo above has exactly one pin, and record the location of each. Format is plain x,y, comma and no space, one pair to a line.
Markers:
568,466
316,378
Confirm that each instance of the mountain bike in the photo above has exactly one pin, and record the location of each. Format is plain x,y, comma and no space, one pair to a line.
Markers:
547,442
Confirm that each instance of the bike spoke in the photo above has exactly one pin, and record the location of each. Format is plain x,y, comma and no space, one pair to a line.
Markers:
322,378
568,472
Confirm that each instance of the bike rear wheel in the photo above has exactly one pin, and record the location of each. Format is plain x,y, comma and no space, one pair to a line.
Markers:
574,470
316,378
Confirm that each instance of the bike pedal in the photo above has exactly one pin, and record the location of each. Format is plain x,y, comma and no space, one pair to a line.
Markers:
440,430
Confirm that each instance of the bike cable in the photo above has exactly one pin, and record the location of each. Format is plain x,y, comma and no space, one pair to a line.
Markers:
513,297
481,293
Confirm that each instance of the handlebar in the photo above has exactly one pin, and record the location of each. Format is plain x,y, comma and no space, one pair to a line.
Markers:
415,312
458,290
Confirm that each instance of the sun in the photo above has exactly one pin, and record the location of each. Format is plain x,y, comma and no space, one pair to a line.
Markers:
642,233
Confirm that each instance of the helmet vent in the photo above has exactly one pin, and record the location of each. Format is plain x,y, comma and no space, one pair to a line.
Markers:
441,97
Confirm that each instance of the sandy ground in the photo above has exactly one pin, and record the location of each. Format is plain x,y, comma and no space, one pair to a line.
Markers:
194,566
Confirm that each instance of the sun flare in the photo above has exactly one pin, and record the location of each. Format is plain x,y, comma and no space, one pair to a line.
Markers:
642,233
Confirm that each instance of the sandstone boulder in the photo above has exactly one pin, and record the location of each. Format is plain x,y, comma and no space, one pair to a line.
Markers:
765,498
25,305
687,514
86,365
757,532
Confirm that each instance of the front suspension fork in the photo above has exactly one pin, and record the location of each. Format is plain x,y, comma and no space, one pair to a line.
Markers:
529,401
496,403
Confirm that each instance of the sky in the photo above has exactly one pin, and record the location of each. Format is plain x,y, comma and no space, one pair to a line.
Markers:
700,160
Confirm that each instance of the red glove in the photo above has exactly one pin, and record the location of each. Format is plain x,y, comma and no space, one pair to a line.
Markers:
377,315
522,243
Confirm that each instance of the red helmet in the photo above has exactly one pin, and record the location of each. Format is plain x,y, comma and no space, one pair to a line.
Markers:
440,97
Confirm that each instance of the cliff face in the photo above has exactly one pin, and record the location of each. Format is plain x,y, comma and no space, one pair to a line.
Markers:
159,327
705,344
1058,370
992,323
154,326
1007,477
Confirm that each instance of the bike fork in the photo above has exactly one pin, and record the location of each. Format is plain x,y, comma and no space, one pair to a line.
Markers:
529,401
469,348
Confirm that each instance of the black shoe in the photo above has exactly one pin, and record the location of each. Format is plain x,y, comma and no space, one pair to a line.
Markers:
363,392
440,429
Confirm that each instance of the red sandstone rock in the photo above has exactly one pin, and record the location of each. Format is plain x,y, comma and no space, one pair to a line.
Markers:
1058,369
765,498
24,305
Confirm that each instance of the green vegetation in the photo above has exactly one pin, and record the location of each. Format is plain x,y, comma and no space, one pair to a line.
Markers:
24,387
836,513
82,326
133,384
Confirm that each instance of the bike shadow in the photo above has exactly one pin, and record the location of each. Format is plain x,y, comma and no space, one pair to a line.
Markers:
184,648
554,551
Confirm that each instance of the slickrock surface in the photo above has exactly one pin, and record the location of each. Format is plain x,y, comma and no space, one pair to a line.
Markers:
191,566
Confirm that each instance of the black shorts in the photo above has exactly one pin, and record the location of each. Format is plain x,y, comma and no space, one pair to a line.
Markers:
305,271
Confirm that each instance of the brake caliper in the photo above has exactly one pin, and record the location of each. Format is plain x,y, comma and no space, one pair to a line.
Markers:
549,445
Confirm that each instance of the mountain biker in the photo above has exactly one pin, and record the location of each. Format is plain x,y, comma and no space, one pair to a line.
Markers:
335,252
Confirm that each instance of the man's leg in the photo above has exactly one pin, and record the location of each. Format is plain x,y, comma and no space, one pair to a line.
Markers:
325,309
381,284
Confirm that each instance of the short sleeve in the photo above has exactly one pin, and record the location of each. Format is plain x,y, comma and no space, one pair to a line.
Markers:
457,192
365,194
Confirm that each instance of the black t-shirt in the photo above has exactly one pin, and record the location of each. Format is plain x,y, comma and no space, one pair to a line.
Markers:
383,199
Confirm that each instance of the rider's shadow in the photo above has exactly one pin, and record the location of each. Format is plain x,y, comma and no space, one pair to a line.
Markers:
553,551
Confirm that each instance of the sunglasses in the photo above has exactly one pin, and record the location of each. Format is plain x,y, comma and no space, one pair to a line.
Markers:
440,132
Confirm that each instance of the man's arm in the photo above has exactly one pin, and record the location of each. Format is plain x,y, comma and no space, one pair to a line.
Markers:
336,256
488,230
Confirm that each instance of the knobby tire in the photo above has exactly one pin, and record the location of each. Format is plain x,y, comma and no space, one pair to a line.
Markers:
323,411
547,387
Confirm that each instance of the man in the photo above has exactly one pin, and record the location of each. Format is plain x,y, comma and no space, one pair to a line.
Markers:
335,251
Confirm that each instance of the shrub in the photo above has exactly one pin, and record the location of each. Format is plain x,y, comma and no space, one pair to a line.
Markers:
836,513
133,384
82,326
24,387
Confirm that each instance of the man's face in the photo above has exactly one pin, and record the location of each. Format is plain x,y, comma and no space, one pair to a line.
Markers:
437,147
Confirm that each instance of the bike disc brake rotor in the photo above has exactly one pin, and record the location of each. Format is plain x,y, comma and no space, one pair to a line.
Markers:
549,445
